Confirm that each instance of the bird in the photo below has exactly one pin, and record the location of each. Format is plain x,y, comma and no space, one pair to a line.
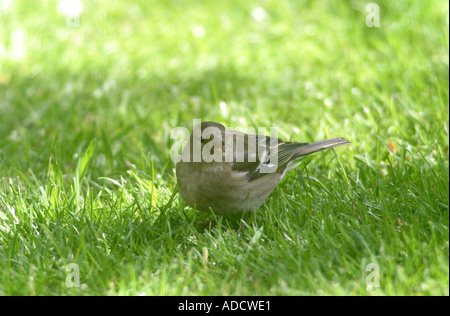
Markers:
230,172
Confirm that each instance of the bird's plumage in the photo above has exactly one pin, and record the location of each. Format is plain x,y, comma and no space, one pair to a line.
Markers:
250,167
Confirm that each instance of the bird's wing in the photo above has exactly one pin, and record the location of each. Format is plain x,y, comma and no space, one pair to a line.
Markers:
257,155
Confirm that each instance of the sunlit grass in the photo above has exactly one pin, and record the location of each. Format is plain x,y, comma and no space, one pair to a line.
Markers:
130,72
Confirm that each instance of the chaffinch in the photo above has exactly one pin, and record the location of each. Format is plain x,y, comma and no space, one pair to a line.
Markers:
231,172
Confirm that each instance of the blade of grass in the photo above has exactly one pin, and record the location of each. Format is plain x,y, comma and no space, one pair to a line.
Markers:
82,166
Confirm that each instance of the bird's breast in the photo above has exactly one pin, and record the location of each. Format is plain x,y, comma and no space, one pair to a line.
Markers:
216,186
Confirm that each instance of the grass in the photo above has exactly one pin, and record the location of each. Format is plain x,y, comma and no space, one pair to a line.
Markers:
85,170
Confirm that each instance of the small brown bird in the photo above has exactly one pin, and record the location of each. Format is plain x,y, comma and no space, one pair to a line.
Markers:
231,172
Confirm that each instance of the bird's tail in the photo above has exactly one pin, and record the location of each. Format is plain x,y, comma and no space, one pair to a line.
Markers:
319,146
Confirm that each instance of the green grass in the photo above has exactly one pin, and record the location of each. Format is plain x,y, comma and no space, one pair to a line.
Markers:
132,71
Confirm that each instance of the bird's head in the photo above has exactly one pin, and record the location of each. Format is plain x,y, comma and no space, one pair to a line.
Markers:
207,142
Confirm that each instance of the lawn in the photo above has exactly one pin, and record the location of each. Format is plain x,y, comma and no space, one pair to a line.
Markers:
88,194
